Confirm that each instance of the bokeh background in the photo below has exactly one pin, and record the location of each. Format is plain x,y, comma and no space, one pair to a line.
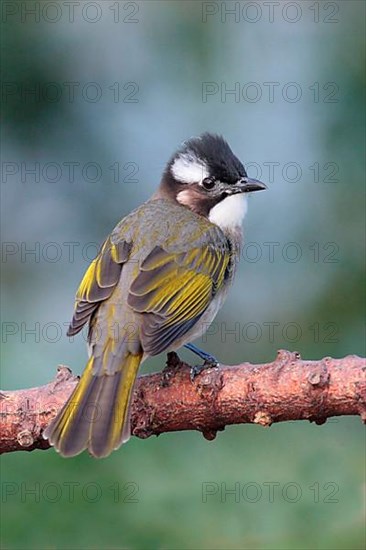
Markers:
95,98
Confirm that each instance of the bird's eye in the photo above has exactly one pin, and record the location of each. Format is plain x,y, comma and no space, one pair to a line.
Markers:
208,183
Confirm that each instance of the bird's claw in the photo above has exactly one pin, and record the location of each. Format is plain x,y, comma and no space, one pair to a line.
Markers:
208,364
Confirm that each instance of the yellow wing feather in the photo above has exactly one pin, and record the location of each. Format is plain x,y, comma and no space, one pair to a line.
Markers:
98,283
174,290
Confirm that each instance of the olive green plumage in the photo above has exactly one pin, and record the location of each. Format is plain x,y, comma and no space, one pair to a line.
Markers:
154,278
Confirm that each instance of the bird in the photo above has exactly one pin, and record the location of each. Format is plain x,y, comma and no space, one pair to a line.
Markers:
156,284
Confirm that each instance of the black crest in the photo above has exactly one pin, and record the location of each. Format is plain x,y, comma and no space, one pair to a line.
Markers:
217,155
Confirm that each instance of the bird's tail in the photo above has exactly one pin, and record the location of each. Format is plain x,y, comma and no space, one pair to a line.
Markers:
96,416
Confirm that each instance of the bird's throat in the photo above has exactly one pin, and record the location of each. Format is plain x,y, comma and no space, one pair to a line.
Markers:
229,213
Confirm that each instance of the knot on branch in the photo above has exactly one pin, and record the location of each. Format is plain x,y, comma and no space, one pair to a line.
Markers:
25,438
263,418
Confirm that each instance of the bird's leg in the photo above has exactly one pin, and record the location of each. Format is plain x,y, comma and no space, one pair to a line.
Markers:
202,354
209,360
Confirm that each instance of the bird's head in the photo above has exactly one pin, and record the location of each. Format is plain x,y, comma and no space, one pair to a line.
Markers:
205,176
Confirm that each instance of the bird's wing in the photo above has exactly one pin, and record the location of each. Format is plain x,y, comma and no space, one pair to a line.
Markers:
173,290
99,281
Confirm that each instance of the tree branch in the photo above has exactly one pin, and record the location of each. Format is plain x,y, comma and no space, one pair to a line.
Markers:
287,389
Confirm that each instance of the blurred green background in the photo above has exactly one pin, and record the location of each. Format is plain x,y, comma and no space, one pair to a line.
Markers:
116,87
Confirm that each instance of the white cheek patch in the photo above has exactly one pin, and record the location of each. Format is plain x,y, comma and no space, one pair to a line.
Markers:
229,213
187,168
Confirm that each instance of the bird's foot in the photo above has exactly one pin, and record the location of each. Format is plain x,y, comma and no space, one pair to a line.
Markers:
209,361
208,364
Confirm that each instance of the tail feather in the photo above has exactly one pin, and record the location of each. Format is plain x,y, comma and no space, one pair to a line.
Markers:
69,430
110,422
96,416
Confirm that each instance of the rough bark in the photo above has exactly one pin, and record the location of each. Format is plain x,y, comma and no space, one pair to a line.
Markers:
287,389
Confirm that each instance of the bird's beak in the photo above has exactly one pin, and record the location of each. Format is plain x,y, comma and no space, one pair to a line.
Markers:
247,185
